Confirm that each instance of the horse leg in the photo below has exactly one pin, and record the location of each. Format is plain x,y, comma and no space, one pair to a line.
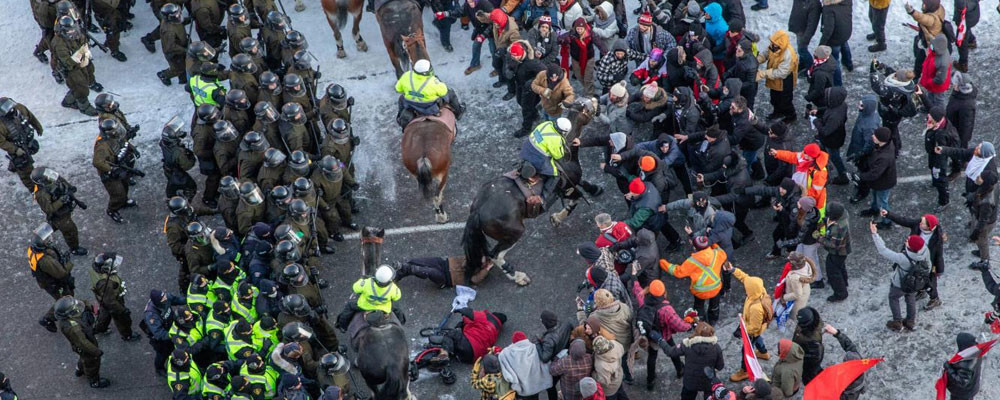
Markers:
393,57
518,277
331,18
356,32
557,218
440,215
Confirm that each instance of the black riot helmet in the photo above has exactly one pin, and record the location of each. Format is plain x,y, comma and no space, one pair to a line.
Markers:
255,141
225,131
208,113
336,93
292,112
202,51
273,157
286,251
269,82
295,304
242,63
250,46
251,193
302,186
107,262
173,131
276,20
6,106
331,168
294,275
229,187
280,196
293,84
67,27
340,131
109,126
334,364
66,7
299,162
295,40
171,12
296,332
106,102
302,60
41,237
299,210
44,176
237,99
285,232
179,206
196,231
68,307
265,111
238,14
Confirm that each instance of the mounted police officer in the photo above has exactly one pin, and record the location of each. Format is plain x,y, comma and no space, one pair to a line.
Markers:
54,196
541,150
376,293
51,270
18,127
421,93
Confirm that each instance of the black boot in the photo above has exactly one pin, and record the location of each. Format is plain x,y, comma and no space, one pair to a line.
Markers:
48,324
370,6
148,43
100,383
40,55
118,55
163,78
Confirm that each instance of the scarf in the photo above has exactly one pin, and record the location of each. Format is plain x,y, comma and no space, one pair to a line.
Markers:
816,62
976,166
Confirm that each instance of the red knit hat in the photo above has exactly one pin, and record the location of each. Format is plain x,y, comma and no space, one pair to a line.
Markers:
516,50
545,20
636,186
811,150
915,243
700,242
647,163
518,336
498,17
932,220
646,19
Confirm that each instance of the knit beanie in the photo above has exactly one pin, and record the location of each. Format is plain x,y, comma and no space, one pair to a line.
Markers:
779,129
811,150
647,163
646,19
932,220
577,349
835,210
594,323
937,113
596,276
517,50
694,9
656,288
761,388
806,203
806,316
491,364
736,25
156,296
588,251
588,386
962,82
914,243
700,242
603,298
822,52
636,186
788,184
518,336
883,134
965,340
549,319
618,89
649,90
797,259
987,150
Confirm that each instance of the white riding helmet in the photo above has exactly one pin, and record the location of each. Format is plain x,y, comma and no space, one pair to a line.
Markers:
422,67
563,125
384,275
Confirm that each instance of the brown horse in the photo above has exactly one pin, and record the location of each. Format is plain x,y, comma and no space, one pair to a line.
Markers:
427,155
402,29
336,15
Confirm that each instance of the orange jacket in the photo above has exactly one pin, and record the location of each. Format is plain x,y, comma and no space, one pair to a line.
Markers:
704,268
817,174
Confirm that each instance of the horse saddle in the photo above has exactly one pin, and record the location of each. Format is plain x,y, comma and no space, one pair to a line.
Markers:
370,319
530,187
445,117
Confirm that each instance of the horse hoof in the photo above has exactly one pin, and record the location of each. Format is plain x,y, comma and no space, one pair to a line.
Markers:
362,46
441,217
555,220
341,54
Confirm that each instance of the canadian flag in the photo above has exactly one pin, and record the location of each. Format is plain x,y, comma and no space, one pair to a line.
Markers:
962,29
969,353
749,357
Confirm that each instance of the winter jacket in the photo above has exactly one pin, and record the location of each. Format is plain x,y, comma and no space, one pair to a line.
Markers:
900,259
817,171
703,268
930,23
561,93
749,135
480,332
776,169
935,245
820,78
529,11
617,319
608,368
570,371
707,156
673,156
797,285
721,222
936,75
757,311
605,30
687,115
546,47
725,95
831,127
864,126
614,114
944,136
618,232
804,18
708,74
786,379
645,74
837,240
895,98
980,192
880,171
735,178
971,12
644,212
716,26
961,113
964,378
837,23
478,26
679,74
647,254
657,38
699,352
506,36
810,337
641,111
610,69
568,15
781,63
553,341
582,51
521,367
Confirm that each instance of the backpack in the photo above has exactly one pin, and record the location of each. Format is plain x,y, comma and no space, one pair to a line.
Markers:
918,276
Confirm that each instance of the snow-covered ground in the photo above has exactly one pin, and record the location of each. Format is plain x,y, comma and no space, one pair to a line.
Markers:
912,359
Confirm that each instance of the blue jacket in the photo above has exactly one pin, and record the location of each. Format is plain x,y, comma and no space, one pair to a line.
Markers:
674,156
158,320
864,126
530,12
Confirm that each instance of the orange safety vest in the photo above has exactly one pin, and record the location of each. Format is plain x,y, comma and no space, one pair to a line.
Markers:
704,268
33,257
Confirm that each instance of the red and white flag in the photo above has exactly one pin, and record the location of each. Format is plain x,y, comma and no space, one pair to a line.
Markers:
969,353
830,383
749,357
962,30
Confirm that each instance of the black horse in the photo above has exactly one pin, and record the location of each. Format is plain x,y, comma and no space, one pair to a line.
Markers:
499,209
380,346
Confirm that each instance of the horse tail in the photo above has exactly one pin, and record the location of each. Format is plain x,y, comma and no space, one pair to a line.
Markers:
393,387
342,9
475,245
424,177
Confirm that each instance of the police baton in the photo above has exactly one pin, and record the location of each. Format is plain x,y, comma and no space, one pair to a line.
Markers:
575,185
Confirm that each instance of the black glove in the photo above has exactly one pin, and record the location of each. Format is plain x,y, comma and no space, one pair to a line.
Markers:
97,87
663,345
399,315
318,75
355,140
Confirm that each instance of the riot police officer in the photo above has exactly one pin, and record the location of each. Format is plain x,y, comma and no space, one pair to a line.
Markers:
51,270
114,159
75,64
251,155
107,108
18,127
177,160
109,16
203,138
55,196
109,291
340,144
237,27
76,322
175,43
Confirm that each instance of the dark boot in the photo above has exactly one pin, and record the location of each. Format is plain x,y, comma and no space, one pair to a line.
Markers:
69,102
877,47
148,43
97,87
86,108
40,55
163,78
118,55
370,6
48,324
100,383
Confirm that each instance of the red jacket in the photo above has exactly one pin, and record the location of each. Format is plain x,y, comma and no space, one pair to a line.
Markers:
482,334
619,231
929,71
599,395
